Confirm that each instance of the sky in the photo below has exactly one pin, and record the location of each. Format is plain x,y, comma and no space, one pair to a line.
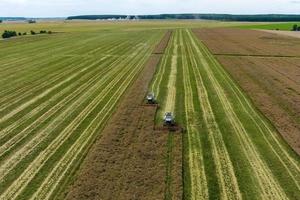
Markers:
64,8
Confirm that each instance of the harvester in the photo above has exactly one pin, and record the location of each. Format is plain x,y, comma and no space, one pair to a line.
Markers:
169,119
151,98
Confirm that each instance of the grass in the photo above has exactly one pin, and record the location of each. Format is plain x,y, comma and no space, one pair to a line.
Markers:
55,99
57,92
106,26
230,149
287,26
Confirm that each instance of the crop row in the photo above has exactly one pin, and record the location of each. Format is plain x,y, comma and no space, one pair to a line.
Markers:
231,151
47,128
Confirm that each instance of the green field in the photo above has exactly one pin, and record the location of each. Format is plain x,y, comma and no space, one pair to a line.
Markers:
231,151
58,91
271,26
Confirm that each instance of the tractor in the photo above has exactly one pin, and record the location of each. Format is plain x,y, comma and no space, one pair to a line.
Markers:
151,98
169,119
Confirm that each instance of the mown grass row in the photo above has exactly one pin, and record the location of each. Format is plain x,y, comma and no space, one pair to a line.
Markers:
45,134
279,164
230,150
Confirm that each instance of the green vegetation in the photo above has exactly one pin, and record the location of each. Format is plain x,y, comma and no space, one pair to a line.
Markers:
230,150
296,27
222,17
272,26
57,93
9,34
55,103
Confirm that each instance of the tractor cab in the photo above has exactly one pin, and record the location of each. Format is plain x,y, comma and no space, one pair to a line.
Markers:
169,119
151,98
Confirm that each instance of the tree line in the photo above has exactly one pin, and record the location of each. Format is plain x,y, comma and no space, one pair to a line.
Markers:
221,17
296,27
9,34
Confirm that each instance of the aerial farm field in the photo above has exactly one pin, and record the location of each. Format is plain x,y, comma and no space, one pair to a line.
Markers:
74,123
268,72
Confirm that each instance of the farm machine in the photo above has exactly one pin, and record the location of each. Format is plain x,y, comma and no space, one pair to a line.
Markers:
169,123
151,98
169,119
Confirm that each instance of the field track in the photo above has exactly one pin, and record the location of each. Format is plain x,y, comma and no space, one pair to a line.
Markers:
231,151
50,115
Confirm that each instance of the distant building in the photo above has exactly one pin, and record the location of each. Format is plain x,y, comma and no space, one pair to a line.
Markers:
31,21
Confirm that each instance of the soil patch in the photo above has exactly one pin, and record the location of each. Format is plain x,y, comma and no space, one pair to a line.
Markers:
129,160
248,42
295,34
160,48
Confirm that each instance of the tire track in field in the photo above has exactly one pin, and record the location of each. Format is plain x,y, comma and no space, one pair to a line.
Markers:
44,80
137,50
6,103
34,166
46,92
29,115
9,86
36,54
18,122
36,98
45,191
63,102
105,48
270,188
61,47
161,70
7,130
264,129
225,170
12,161
199,186
36,75
289,163
40,60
